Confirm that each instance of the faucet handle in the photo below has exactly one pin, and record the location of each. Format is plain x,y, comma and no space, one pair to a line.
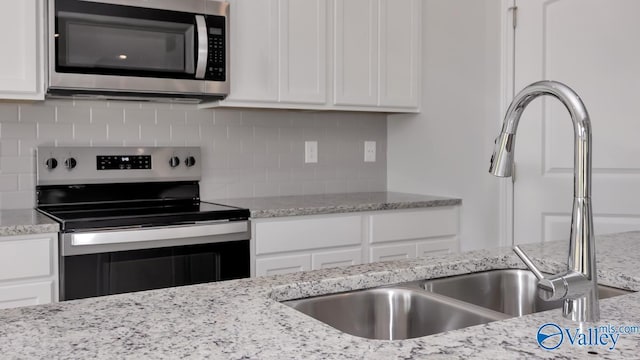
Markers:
549,289
527,261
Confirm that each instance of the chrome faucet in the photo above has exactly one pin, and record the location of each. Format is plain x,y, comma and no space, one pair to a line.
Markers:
578,285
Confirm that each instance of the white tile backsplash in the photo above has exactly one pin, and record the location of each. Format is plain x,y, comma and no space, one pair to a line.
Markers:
245,152
9,182
9,112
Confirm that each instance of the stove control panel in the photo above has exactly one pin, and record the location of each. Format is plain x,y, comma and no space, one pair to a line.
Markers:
92,165
123,162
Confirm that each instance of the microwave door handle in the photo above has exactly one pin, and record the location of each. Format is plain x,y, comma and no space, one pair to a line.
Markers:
203,47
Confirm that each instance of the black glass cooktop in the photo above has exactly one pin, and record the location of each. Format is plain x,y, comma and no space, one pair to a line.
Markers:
94,206
139,214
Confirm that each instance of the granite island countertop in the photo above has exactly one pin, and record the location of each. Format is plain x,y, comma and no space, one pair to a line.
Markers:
295,205
242,319
25,222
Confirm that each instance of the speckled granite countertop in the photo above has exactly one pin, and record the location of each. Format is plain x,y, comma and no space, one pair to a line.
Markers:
276,206
25,222
243,319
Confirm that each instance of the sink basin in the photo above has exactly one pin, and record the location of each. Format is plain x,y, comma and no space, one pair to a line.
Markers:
509,291
428,307
393,313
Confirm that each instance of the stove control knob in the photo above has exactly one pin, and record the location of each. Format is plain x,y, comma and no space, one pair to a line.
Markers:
190,161
70,163
174,161
51,163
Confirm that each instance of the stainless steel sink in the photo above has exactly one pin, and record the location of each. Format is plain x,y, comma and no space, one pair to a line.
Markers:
428,307
509,291
393,313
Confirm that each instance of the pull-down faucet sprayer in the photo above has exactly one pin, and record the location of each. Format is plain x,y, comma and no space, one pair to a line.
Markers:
578,285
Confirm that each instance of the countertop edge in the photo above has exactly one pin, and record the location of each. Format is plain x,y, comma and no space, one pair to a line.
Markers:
26,222
338,209
17,230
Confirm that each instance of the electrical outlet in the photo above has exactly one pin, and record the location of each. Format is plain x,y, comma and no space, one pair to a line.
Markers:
310,152
369,151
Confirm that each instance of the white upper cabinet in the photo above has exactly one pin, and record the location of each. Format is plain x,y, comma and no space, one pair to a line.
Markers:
356,52
21,63
361,55
377,52
400,31
254,50
303,51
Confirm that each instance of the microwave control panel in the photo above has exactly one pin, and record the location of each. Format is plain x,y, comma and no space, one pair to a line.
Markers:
216,63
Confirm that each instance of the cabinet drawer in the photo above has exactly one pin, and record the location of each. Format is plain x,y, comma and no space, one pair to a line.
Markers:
26,294
392,252
22,257
437,246
336,258
307,233
407,225
283,265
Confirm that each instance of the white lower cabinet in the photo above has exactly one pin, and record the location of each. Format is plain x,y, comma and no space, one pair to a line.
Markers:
306,233
392,252
413,248
413,233
299,243
329,259
437,246
26,294
283,264
28,270
291,244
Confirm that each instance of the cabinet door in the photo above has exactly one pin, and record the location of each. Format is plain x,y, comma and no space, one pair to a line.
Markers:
303,51
410,224
392,252
21,63
335,258
283,264
26,256
356,52
307,233
254,50
437,246
400,29
26,294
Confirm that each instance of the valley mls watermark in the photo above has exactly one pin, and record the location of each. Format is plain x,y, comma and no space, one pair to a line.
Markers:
551,336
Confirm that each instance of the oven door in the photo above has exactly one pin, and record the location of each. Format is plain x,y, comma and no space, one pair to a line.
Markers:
113,262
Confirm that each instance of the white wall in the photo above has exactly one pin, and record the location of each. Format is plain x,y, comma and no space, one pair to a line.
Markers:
445,149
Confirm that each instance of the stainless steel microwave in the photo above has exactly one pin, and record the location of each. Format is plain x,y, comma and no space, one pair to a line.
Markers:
141,49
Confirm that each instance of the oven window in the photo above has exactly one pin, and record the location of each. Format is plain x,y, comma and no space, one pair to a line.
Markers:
136,270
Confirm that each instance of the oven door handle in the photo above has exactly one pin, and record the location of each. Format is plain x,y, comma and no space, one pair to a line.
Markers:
157,234
203,47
